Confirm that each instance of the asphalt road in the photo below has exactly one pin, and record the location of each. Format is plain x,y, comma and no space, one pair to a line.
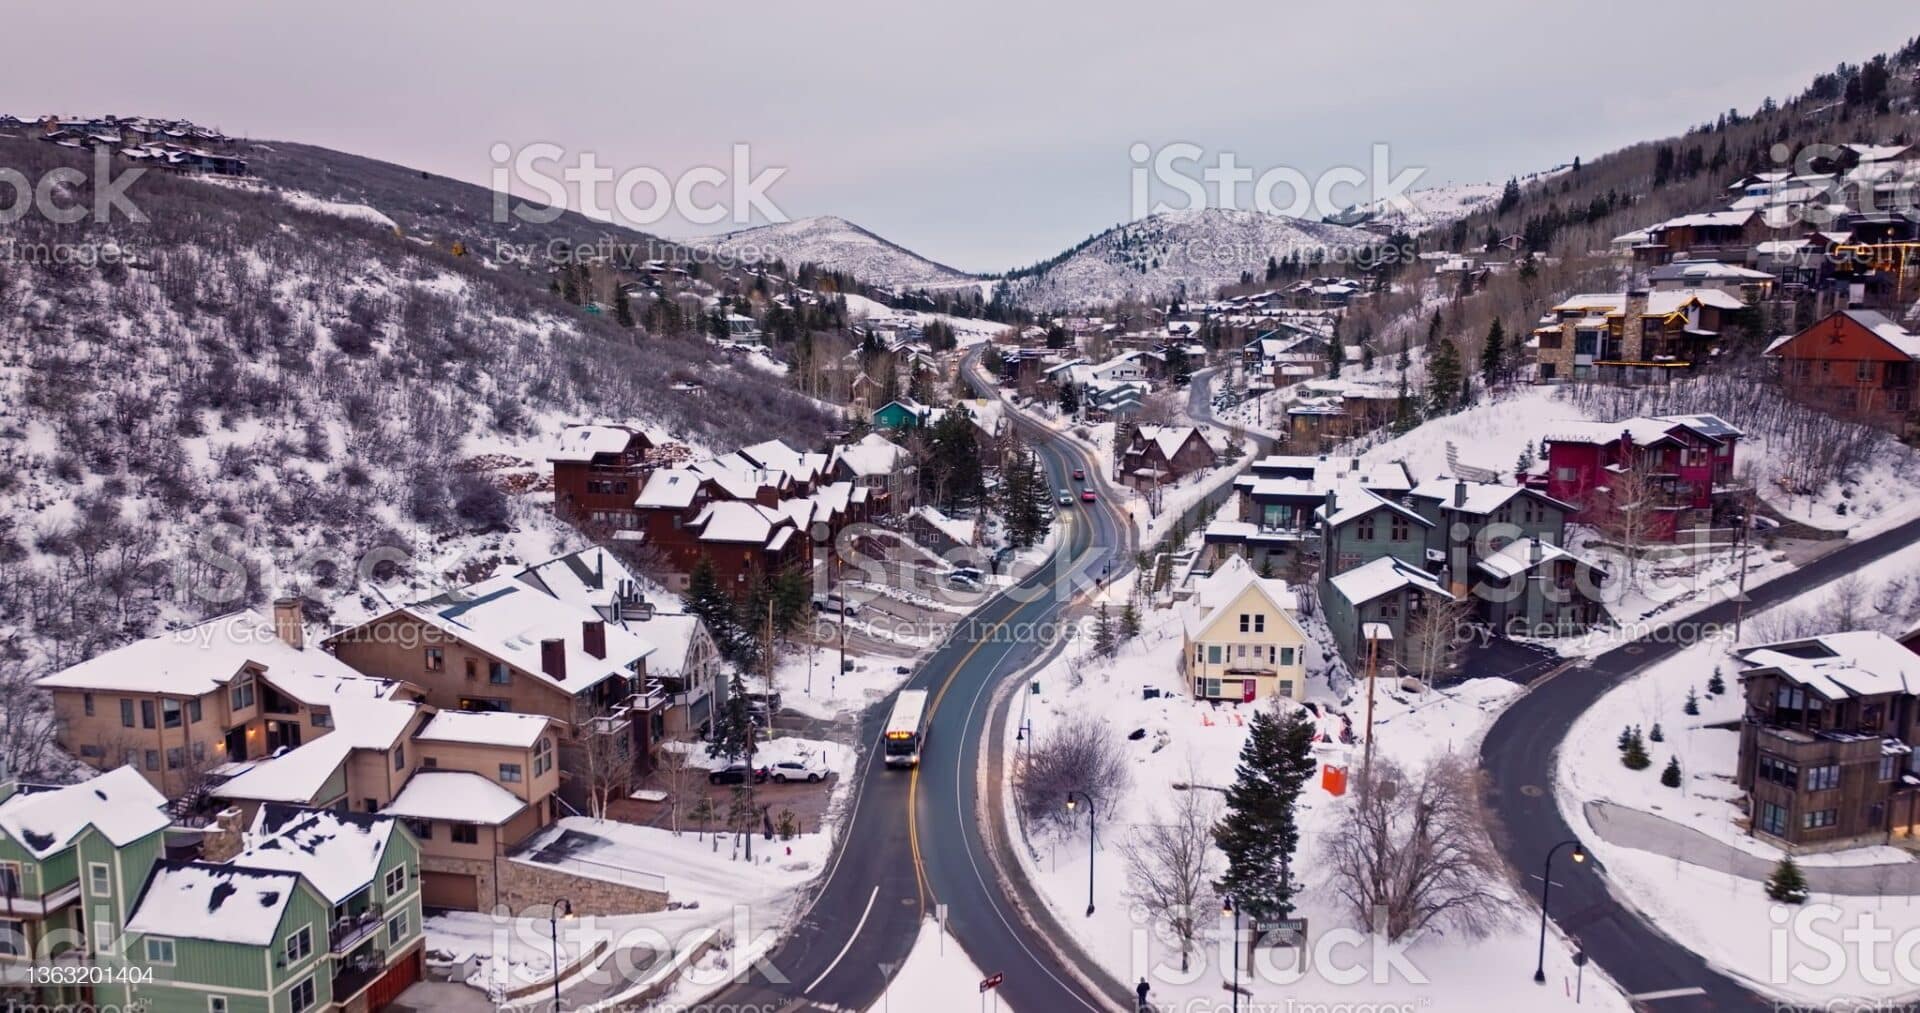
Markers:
913,840
1518,757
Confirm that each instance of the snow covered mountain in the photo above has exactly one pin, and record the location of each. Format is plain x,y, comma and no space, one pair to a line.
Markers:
838,245
267,382
1197,251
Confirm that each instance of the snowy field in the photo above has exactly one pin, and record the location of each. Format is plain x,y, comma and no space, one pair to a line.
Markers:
1183,743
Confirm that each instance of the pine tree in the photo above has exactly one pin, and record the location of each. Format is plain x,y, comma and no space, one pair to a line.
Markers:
1260,833
1787,885
1671,776
1433,329
733,736
1105,643
1716,685
1692,707
1525,462
1336,352
1655,734
1443,378
1069,399
1626,738
704,598
1129,621
1493,357
622,307
1635,755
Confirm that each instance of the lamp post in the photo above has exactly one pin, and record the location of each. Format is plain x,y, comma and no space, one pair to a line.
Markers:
1090,835
562,908
1229,908
1546,892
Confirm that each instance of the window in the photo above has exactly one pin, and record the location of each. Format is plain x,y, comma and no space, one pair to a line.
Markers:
543,753
175,758
498,674
199,751
1364,529
10,879
1779,772
1210,688
1259,624
1246,623
1824,778
396,928
171,713
194,711
1821,818
473,668
1889,767
463,833
430,762
216,1004
1286,655
1286,687
302,996
126,713
92,752
159,951
509,773
13,938
299,945
321,718
146,713
396,881
423,829
400,757
1773,819
240,697
1213,654
1565,474
1401,529
86,703
153,759
103,937
436,659
1864,370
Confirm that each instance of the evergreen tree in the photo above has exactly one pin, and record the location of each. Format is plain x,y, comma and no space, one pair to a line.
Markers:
704,598
1692,706
1433,329
1525,462
1716,685
733,736
1443,378
1069,398
1025,494
1105,643
622,307
1655,734
1787,885
1671,776
1626,738
1260,832
954,461
1336,352
1129,621
1493,357
1179,367
1635,757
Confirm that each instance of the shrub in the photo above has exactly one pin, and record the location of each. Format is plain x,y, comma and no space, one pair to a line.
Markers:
1787,885
478,503
1671,776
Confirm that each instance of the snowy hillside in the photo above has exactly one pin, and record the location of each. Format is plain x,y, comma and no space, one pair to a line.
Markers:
835,244
278,385
1436,207
1156,256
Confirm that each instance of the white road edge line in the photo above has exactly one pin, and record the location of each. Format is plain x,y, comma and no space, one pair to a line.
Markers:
850,940
1672,993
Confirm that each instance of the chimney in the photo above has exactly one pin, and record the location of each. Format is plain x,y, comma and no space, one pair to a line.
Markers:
223,839
1459,492
1630,328
553,658
287,622
1533,553
593,637
1332,502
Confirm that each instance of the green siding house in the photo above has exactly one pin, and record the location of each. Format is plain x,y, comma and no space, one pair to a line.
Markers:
901,414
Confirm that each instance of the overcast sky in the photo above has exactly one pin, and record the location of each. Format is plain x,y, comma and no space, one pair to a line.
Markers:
987,137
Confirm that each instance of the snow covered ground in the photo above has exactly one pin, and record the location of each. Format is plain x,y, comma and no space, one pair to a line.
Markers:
1189,744
1725,917
938,977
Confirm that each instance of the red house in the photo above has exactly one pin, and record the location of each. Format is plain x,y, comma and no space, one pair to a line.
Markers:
598,469
1856,364
1685,461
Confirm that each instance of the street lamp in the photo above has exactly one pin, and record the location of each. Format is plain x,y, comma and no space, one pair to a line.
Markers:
1546,892
562,908
1090,832
1227,908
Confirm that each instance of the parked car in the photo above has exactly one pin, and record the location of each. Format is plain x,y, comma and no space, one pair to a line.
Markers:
962,581
835,603
807,768
736,773
1086,495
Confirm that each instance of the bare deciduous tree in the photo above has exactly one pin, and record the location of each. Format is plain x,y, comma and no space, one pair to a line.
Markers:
1437,636
1170,864
1411,852
606,753
1629,514
678,774
1083,756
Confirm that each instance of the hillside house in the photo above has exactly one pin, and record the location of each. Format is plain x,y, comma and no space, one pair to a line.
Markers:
1826,743
1856,364
1634,336
1163,455
1503,546
1686,462
1275,521
598,469
1239,637
1712,235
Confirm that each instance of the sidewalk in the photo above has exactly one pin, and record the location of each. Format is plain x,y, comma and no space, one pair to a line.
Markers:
1644,831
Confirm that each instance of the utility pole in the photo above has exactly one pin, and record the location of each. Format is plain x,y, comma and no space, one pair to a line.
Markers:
1372,632
768,664
839,575
1746,542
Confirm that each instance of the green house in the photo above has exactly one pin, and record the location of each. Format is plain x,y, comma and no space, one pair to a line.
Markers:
901,414
321,912
72,859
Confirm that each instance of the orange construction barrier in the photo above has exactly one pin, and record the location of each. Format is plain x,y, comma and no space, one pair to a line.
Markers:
1333,779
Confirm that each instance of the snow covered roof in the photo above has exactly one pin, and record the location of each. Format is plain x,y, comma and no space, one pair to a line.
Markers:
507,619
1886,330
775,454
1354,502
1644,431
672,635
583,443
338,854
1706,219
1215,593
119,803
739,521
1661,303
670,488
221,903
1517,558
1705,270
1384,576
495,728
1840,665
201,659
1168,438
870,455
456,797
301,774
1473,497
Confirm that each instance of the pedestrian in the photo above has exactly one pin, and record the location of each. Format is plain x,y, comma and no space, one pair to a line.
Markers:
1141,990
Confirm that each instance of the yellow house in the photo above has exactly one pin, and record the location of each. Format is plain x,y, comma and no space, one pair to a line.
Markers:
1240,640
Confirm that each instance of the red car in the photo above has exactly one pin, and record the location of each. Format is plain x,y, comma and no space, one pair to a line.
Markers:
1086,495
1079,473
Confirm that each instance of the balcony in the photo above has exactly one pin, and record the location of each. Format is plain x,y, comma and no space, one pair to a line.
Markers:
355,973
352,930
1829,746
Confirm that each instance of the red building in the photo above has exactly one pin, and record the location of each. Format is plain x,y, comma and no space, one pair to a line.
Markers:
1683,462
1856,364
598,469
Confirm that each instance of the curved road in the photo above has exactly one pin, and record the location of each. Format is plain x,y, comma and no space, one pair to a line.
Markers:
913,840
1518,757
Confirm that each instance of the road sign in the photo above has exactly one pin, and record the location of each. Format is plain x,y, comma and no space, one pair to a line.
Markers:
1285,931
992,981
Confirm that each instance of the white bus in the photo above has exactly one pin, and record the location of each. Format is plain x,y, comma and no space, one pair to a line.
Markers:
904,732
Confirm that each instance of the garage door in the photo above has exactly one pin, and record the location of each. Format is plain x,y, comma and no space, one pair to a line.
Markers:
450,890
383,992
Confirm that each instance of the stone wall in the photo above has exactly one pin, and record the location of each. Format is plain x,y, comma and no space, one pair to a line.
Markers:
524,885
